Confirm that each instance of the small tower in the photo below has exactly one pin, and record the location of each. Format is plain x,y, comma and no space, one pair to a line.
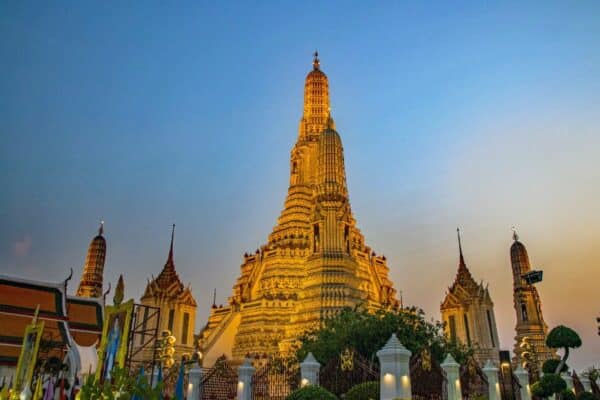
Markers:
530,342
176,303
93,270
468,314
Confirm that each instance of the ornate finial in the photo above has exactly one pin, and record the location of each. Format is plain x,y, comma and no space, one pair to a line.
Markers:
101,229
316,62
330,123
171,248
515,236
462,259
119,291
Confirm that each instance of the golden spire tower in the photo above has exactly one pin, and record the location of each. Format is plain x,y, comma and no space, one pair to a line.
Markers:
530,342
315,261
93,270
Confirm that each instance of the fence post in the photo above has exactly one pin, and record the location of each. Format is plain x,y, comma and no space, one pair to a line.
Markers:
309,371
394,361
491,373
244,388
195,377
587,385
523,378
452,370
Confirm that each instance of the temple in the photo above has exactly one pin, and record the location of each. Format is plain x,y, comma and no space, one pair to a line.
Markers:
315,261
177,308
468,314
93,269
530,341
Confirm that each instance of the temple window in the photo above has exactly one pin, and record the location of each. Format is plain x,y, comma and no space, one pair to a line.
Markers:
524,315
171,319
184,329
452,324
467,331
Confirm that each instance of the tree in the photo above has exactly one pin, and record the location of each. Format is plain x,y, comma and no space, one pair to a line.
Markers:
366,333
548,385
311,392
563,337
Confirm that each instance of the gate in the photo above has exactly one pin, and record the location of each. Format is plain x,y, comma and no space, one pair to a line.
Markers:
473,382
428,380
219,382
276,379
343,372
510,388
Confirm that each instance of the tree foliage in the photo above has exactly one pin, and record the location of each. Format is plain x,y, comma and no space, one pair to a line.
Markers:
549,366
548,385
586,396
122,387
563,337
364,391
367,332
311,392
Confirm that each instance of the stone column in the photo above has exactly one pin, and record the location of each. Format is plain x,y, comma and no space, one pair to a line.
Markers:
309,370
395,374
587,385
452,370
195,377
491,373
244,388
523,378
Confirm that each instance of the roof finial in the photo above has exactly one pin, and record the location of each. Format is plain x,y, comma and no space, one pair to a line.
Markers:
462,259
171,248
101,229
515,236
316,62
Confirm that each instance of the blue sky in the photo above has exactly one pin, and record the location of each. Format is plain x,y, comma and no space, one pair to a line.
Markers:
476,115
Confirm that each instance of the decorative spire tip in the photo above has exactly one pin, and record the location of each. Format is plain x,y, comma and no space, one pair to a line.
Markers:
515,236
101,229
316,62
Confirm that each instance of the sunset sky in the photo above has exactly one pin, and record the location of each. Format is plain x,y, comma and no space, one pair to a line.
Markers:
464,114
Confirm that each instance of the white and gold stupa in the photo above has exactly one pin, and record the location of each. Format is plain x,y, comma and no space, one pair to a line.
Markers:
315,262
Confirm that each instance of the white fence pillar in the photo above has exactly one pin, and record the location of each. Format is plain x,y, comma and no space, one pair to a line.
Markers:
569,379
195,377
394,361
523,378
309,371
587,384
452,370
244,388
491,373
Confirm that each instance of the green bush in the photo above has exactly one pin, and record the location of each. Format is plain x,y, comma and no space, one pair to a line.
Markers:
364,391
548,385
550,366
567,395
586,396
311,392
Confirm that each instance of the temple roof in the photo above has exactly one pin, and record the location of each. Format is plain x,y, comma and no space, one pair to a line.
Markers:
464,289
67,320
167,284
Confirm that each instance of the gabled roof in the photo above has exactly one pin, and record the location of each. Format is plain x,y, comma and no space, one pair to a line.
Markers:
19,299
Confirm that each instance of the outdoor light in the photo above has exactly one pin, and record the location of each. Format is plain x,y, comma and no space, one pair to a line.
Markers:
304,382
388,378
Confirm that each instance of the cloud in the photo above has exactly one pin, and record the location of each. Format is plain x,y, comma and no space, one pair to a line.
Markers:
21,247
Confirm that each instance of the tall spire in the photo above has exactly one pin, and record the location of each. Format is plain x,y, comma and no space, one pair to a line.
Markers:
515,236
462,258
93,269
170,258
316,101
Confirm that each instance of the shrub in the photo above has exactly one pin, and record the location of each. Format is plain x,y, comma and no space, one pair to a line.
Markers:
548,385
311,392
364,391
567,395
586,396
550,366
